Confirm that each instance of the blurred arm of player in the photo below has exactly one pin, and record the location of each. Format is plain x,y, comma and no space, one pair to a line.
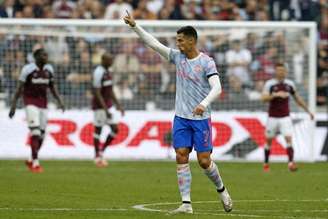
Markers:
116,102
17,94
151,41
101,101
215,91
299,100
55,93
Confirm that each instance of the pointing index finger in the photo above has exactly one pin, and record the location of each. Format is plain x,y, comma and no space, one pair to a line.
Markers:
127,12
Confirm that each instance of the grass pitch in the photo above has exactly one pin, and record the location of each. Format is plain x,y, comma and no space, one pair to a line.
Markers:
77,189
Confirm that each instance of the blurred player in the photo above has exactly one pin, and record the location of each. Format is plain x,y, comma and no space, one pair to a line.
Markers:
197,85
34,81
277,92
102,104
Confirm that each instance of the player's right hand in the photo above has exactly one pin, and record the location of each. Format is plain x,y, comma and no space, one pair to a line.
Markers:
128,19
12,112
62,107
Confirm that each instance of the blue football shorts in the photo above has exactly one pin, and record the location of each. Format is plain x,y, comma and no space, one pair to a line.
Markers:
188,133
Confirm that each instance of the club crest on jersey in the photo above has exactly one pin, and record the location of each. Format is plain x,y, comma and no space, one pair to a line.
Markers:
198,69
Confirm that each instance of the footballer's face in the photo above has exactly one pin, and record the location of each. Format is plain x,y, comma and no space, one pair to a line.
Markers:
184,43
107,60
42,57
281,72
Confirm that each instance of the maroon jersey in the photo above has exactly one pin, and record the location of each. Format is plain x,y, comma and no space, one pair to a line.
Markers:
36,82
102,79
279,107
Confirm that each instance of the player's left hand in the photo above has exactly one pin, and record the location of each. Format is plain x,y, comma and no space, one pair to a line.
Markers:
12,112
311,116
128,19
121,109
199,110
62,106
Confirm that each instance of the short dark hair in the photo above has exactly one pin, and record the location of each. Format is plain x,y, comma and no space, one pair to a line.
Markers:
280,64
188,31
37,52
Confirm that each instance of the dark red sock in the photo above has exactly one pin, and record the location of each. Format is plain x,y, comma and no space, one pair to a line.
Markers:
290,153
35,141
40,143
96,144
109,139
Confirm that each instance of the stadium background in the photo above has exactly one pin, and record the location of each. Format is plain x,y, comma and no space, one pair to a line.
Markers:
77,189
144,82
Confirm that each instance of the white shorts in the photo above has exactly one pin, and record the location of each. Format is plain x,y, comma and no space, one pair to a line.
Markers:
100,118
282,125
36,117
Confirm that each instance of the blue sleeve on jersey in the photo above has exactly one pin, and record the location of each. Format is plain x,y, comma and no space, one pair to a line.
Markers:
174,54
210,68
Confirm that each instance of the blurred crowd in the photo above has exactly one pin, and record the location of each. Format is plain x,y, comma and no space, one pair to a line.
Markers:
245,62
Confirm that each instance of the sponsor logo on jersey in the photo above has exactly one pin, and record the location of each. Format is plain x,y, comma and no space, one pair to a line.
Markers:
107,83
40,80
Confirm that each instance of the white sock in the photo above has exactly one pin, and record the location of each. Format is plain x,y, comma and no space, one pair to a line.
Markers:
266,147
35,163
184,181
212,172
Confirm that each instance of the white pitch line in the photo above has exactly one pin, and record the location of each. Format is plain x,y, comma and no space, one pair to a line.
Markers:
268,210
63,209
147,207
256,216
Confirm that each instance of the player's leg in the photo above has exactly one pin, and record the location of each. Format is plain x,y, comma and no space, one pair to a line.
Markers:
111,135
113,123
43,124
96,140
270,132
286,128
33,120
202,140
267,152
182,142
99,122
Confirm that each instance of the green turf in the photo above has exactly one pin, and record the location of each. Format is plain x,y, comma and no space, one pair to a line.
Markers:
88,192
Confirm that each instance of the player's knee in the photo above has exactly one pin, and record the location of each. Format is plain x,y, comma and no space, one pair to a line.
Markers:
182,157
42,131
114,129
204,162
35,132
288,139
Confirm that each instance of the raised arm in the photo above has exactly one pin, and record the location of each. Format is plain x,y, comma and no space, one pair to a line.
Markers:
148,39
